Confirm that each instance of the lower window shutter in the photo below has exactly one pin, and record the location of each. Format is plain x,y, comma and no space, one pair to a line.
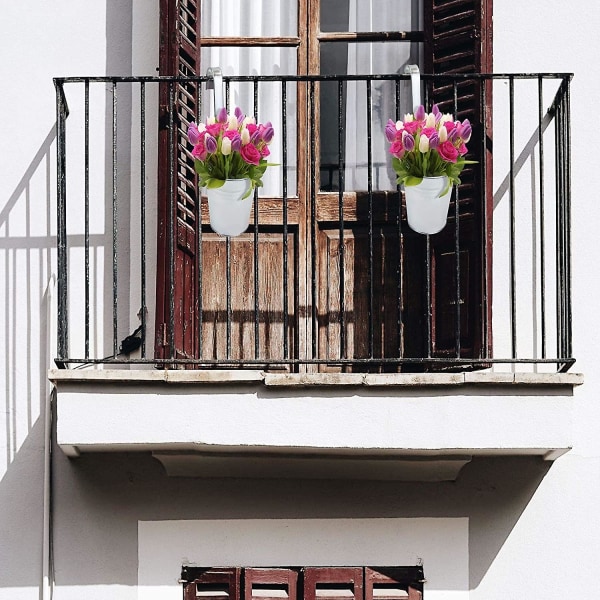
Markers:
270,584
333,583
211,584
394,583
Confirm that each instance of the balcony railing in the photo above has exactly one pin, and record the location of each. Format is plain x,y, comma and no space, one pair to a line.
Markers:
328,276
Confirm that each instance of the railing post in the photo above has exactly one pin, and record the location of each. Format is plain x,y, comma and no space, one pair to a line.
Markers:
62,112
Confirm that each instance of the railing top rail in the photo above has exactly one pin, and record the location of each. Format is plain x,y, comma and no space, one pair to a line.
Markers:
59,81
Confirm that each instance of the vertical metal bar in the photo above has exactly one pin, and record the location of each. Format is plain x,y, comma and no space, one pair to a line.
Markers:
62,112
313,218
542,218
563,135
485,258
199,236
457,324
400,267
568,281
559,226
428,296
285,218
342,249
143,214
256,253
370,194
171,219
114,219
86,233
228,299
513,281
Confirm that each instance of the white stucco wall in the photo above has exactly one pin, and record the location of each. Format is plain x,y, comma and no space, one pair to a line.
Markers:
532,529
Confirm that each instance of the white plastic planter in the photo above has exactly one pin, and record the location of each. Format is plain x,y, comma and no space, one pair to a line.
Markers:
426,211
229,211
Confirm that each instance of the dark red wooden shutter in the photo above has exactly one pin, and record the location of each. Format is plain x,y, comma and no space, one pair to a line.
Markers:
178,202
333,583
270,584
459,40
393,583
211,584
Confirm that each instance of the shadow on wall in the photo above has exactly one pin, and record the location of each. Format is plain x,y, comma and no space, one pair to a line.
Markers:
102,498
27,243
27,263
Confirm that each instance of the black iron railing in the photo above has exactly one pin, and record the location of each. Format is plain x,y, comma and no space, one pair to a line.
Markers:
329,273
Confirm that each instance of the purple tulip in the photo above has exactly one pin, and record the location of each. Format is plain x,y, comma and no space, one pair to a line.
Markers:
408,141
211,144
268,132
435,110
466,130
193,133
239,114
390,131
420,113
452,134
222,115
256,137
434,141
236,143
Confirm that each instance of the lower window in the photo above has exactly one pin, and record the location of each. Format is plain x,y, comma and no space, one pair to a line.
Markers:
303,583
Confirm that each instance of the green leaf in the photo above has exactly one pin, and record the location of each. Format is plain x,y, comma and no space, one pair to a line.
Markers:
214,183
412,180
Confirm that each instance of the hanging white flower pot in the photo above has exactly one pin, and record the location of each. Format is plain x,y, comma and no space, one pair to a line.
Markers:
426,211
229,211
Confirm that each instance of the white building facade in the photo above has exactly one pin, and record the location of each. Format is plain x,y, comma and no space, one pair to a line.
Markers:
119,479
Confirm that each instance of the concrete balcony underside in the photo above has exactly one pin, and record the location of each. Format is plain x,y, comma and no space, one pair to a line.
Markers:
401,427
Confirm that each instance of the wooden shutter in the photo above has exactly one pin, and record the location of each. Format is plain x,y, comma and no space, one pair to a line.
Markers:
333,583
394,583
178,207
270,584
211,584
458,40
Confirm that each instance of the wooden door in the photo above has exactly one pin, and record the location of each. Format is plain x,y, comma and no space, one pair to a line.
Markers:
328,270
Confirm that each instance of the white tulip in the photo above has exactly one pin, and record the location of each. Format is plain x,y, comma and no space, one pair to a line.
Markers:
226,146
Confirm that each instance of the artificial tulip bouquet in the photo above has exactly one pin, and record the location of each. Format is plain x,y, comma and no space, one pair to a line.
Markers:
428,145
230,146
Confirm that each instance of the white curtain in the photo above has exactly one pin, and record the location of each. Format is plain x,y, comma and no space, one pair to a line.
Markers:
265,18
367,58
257,18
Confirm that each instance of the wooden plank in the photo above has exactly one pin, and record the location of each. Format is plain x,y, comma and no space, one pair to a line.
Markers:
270,212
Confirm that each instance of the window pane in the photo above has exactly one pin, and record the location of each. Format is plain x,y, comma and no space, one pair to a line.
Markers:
350,148
250,61
370,15
258,18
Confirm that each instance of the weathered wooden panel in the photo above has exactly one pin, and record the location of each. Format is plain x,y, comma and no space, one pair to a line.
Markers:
364,321
251,327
